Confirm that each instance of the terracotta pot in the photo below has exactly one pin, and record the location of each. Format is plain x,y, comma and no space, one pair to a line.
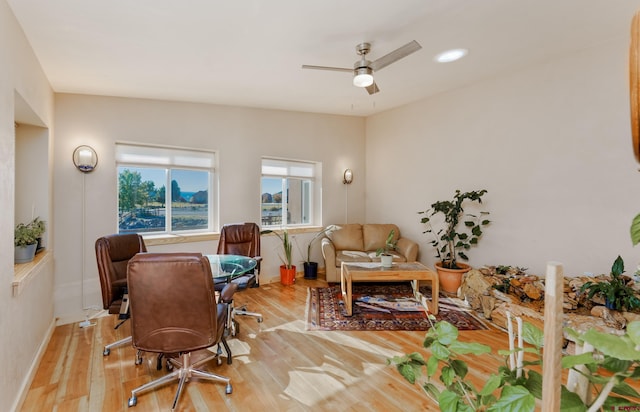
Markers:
287,276
451,279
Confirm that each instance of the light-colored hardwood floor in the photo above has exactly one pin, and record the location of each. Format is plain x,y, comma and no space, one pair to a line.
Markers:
277,366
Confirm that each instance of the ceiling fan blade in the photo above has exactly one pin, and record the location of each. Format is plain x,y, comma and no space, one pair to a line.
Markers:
373,88
335,69
397,54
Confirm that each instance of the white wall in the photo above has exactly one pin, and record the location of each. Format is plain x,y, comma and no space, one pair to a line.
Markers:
26,319
240,135
552,146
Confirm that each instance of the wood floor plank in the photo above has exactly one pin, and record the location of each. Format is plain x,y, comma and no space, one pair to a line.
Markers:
277,366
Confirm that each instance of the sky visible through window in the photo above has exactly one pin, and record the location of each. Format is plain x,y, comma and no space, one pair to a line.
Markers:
188,180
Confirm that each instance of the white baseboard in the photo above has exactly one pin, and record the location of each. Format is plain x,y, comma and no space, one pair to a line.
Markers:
33,368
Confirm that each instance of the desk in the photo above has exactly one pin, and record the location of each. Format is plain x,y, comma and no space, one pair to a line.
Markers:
374,272
228,267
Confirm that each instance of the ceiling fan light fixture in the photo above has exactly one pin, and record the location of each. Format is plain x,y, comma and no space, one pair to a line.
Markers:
363,77
451,55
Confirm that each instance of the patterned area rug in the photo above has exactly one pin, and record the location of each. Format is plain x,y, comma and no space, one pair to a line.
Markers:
381,306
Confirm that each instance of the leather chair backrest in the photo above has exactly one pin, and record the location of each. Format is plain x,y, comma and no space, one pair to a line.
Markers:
112,255
240,239
172,302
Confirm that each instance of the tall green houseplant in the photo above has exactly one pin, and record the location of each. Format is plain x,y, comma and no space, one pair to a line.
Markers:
460,230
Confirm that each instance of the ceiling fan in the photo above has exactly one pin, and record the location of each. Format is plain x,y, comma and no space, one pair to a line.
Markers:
363,69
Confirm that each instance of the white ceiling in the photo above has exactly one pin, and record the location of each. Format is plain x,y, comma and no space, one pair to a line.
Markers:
249,52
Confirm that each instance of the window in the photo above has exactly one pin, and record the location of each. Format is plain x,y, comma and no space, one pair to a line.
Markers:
164,189
288,189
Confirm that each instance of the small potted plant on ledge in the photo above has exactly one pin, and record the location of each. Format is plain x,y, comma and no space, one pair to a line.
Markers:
311,268
25,240
386,258
460,231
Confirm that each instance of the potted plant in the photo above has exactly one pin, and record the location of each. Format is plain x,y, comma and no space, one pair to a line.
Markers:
287,269
616,292
386,258
25,240
460,231
311,268
608,367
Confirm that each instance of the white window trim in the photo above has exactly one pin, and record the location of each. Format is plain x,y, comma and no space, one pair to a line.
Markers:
141,155
297,169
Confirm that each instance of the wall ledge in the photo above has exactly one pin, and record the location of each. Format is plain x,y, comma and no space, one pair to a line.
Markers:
23,273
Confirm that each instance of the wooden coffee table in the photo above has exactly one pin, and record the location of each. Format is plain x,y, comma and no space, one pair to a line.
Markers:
374,272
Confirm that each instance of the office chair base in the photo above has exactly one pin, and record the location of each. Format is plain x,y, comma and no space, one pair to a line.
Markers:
121,342
242,311
185,370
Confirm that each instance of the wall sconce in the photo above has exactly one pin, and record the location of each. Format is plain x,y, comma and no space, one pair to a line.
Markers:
85,158
347,178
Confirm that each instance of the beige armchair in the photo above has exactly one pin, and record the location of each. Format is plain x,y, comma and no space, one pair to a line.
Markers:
358,243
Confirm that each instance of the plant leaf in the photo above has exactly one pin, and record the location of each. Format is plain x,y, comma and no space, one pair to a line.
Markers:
514,399
532,335
569,361
618,267
491,385
635,230
620,347
464,348
534,384
570,401
633,330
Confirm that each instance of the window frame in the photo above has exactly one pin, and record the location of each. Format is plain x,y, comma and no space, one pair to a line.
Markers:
288,168
169,159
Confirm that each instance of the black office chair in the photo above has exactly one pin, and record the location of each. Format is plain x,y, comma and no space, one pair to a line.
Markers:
113,253
241,239
174,311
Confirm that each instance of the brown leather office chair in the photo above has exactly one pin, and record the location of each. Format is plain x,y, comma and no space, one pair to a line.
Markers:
113,253
174,310
241,239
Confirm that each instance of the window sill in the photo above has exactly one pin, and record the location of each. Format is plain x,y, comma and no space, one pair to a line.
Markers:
23,273
165,239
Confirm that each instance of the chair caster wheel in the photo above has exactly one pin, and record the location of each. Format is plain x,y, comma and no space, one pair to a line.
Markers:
133,401
169,366
138,361
106,352
259,320
228,389
219,361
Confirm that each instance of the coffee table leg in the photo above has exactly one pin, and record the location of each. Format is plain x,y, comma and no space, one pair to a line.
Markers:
345,286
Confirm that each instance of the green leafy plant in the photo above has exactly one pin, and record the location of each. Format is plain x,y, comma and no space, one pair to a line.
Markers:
389,244
613,360
28,234
324,231
460,231
287,246
616,291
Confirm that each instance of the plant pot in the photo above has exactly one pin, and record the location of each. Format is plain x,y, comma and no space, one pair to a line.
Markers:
24,254
451,279
386,261
310,270
287,276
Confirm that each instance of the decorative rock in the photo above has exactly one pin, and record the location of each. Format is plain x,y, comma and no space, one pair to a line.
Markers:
488,304
532,292
474,287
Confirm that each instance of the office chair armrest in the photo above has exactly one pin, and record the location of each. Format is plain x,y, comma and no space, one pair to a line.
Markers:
226,295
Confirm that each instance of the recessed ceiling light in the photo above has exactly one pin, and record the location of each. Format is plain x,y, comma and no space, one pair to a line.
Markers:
451,55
